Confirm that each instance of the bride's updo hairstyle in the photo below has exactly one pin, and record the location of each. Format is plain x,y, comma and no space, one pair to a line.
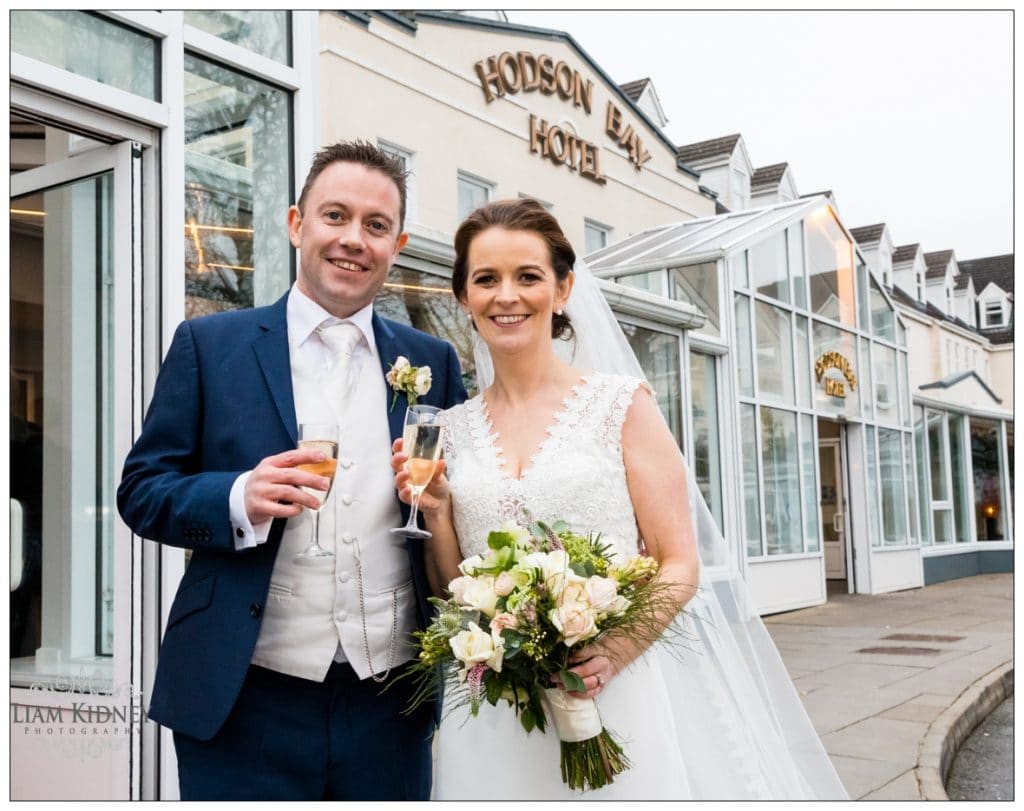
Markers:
523,214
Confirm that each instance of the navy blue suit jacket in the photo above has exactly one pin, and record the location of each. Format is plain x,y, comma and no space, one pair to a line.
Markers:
222,402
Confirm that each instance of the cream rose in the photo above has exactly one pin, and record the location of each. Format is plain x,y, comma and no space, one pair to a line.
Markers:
602,595
574,621
503,620
478,593
504,584
475,646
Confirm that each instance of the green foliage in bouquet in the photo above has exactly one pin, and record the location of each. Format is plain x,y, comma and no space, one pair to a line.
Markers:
517,615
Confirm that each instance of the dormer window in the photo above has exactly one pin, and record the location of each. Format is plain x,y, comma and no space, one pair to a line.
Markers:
740,190
949,300
992,314
920,286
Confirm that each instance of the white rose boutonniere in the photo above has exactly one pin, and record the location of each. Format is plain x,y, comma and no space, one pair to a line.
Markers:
404,377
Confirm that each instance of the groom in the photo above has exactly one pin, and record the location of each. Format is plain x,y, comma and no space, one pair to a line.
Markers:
272,667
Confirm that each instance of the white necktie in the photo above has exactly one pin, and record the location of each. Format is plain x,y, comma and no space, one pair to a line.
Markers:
340,340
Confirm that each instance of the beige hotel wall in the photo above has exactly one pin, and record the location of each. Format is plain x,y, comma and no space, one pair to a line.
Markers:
422,93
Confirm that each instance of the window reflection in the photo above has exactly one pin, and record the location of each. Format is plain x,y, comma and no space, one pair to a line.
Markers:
425,301
783,528
842,395
237,189
894,503
811,491
774,353
706,462
886,388
768,267
883,319
89,45
263,32
958,473
698,284
658,354
61,429
829,267
751,480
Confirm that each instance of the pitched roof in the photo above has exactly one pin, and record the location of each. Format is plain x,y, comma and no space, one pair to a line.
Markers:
961,281
822,193
1003,336
995,269
937,262
706,149
953,379
634,89
905,253
768,175
867,234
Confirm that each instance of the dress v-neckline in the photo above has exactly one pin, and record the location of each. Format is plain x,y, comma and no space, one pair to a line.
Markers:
558,417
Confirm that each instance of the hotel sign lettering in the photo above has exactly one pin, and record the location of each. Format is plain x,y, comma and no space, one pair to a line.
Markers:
523,72
834,386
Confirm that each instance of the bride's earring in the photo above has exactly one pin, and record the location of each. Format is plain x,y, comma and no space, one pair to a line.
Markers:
558,311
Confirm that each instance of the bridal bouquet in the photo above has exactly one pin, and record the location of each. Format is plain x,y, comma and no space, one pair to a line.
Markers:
514,619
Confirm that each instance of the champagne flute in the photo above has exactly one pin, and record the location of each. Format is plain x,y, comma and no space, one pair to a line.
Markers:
318,437
422,442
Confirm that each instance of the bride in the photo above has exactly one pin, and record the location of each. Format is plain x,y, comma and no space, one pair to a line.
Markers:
556,437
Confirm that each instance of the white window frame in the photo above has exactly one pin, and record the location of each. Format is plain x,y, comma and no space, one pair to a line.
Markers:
986,313
594,225
409,160
472,180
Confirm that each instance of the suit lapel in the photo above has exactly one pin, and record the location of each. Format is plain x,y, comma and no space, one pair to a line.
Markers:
271,348
388,350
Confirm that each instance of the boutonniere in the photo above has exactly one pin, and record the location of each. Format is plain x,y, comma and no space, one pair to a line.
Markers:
413,380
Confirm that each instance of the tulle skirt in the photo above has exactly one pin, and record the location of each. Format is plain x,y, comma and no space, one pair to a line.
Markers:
689,734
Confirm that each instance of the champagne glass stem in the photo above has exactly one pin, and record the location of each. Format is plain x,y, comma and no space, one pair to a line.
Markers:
316,529
416,491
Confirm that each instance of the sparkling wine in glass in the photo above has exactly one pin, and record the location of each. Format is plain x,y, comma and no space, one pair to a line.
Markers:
319,437
422,441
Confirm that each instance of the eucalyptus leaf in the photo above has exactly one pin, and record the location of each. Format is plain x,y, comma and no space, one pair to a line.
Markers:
572,681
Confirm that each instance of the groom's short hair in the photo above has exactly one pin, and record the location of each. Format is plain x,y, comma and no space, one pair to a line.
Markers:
365,154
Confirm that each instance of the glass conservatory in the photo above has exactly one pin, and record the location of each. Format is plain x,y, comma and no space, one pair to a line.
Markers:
811,472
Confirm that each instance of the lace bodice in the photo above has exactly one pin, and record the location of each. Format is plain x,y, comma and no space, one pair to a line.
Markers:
577,473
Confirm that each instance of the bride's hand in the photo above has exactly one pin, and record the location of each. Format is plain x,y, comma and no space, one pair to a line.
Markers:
435,497
594,667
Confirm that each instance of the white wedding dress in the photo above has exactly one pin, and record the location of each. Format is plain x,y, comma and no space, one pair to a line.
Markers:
689,733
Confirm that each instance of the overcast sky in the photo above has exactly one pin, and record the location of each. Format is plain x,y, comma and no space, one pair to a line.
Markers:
906,116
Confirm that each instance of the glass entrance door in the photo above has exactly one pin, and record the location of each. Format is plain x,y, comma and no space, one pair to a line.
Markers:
72,232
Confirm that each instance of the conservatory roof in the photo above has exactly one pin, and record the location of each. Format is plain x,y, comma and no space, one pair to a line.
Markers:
699,240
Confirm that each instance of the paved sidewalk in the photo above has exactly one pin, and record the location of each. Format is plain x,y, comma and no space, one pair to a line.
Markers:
872,697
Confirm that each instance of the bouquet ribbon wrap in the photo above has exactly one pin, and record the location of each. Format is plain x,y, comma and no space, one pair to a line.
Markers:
576,719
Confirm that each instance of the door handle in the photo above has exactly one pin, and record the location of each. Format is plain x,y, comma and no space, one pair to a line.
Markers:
837,522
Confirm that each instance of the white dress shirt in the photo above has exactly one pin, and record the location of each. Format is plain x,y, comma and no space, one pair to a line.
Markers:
304,344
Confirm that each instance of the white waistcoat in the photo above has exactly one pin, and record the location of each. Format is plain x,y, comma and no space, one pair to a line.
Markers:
314,605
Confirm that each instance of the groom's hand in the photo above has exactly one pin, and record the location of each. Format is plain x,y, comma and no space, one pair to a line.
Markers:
273,487
435,498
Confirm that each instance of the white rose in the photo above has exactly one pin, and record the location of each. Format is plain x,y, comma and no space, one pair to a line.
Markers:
458,588
401,363
478,593
470,564
504,584
574,621
473,646
602,594
422,383
557,573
